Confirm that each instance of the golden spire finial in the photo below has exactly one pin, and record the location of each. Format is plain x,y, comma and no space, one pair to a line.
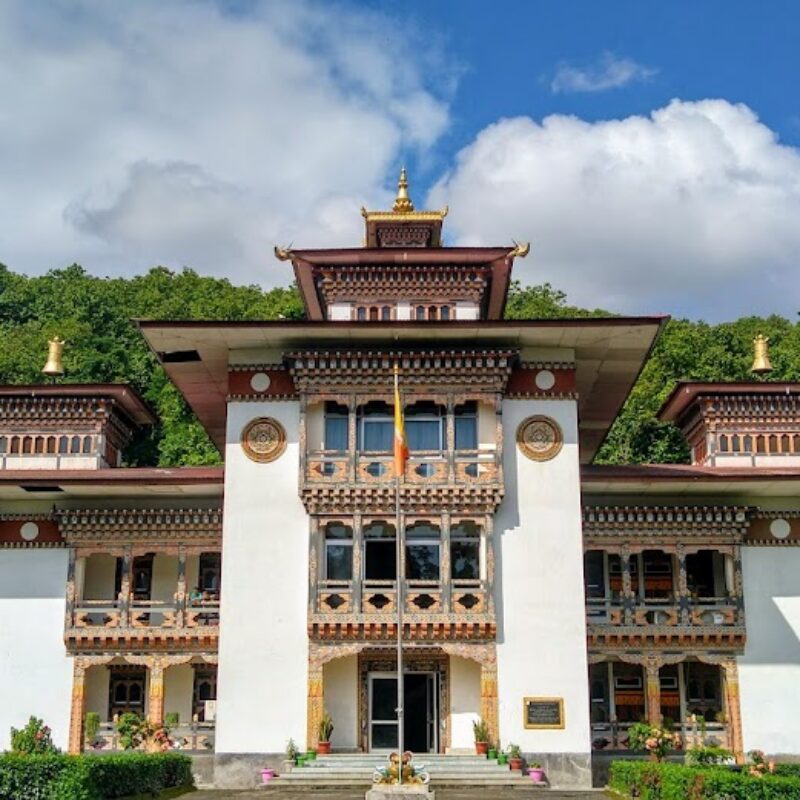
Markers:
54,365
761,362
402,203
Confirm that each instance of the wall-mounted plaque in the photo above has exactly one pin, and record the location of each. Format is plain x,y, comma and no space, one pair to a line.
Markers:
539,438
263,439
543,712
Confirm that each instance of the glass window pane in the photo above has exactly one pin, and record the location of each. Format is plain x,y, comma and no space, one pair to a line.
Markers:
384,737
380,560
466,433
384,698
378,435
335,433
422,562
424,434
465,560
339,566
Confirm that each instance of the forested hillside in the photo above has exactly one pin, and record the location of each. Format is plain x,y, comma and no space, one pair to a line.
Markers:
94,316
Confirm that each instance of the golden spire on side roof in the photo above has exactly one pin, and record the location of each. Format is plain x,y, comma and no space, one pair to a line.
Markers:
402,203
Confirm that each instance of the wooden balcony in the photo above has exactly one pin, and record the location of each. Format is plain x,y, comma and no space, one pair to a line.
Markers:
679,620
432,610
153,624
474,477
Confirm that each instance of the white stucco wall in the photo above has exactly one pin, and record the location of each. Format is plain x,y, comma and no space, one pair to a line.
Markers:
769,671
465,702
165,578
178,687
466,310
96,691
98,577
340,681
541,649
35,672
263,648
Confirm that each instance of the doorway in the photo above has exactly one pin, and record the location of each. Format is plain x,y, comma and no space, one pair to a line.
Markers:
421,727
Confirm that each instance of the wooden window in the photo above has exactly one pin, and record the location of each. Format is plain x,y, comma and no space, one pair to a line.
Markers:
423,551
15,444
3,444
386,313
205,689
361,314
373,314
52,443
27,444
75,444
420,312
338,552
63,444
87,445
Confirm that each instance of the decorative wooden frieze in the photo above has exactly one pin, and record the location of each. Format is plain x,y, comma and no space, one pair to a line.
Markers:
480,370
617,637
253,382
413,631
95,639
29,531
774,529
655,524
88,526
547,380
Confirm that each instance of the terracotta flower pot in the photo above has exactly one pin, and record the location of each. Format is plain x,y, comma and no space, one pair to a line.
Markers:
481,748
324,748
515,763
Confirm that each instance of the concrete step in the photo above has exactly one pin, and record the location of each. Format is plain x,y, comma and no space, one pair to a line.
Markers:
341,781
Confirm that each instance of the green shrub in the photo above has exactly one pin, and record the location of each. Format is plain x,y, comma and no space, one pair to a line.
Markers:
58,777
35,737
91,725
788,770
706,756
650,781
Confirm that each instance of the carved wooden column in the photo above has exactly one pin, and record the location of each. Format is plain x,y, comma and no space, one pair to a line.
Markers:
180,592
490,558
628,601
352,437
498,434
358,554
155,695
445,569
489,710
730,673
450,439
75,744
652,669
683,585
315,546
302,435
124,598
738,584
316,700
69,611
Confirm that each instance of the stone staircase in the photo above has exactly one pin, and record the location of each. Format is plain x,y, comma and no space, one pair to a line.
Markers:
356,769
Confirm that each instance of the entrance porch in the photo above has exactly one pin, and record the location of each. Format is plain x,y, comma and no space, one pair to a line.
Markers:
445,692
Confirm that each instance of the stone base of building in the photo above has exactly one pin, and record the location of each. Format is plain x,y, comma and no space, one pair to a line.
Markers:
243,770
405,792
565,770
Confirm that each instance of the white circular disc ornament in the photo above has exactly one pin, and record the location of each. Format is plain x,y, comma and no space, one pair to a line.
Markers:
780,528
260,382
29,531
544,380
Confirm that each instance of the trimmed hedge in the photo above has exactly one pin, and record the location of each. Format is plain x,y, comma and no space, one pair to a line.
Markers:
58,777
646,780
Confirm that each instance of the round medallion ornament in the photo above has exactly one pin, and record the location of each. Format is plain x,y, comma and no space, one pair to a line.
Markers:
539,438
260,382
263,439
780,528
29,531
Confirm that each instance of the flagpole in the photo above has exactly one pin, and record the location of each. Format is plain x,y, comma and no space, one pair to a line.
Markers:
399,591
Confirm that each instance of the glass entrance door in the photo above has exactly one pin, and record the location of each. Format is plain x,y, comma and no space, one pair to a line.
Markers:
383,711
421,712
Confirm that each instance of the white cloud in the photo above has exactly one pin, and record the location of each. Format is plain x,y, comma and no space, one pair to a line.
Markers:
609,72
692,210
200,133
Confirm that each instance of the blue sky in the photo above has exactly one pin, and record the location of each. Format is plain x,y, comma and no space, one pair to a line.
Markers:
649,151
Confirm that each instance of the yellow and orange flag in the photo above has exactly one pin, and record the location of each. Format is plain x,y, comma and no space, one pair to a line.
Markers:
400,443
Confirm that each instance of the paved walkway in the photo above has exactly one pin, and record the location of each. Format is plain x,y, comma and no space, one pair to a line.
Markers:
441,794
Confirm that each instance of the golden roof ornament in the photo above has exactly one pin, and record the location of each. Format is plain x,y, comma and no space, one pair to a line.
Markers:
521,249
54,366
402,203
761,362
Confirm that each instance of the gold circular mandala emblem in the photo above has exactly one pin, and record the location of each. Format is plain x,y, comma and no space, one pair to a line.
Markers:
263,439
539,438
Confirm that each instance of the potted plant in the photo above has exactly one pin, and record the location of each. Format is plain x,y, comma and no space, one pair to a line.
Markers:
325,730
514,756
480,730
291,751
267,775
91,725
536,773
502,756
492,752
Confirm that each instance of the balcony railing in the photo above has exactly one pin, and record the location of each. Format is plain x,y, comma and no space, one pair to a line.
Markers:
376,600
614,735
192,737
452,467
